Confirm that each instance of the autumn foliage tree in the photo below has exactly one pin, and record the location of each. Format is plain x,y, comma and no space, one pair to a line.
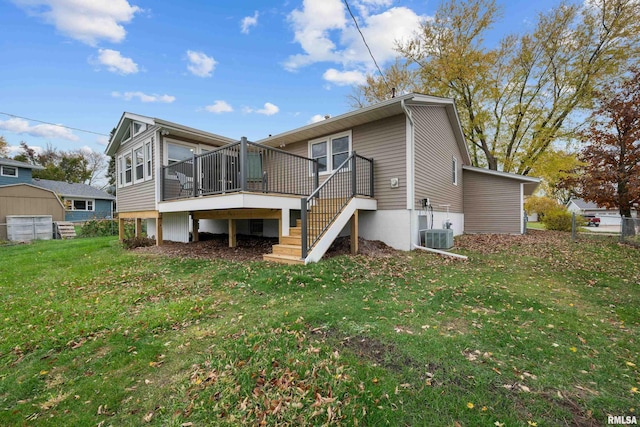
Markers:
516,99
611,175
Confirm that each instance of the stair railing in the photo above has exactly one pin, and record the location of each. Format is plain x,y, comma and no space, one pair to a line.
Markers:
354,177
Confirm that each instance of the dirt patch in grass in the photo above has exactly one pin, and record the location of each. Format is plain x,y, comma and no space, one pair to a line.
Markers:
251,248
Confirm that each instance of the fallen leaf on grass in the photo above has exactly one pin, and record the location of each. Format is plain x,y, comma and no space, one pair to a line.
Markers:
470,405
147,418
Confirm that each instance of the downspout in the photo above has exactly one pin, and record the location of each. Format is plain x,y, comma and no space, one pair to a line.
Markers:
411,188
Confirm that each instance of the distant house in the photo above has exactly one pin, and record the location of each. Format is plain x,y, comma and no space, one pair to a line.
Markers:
386,172
81,201
607,216
15,172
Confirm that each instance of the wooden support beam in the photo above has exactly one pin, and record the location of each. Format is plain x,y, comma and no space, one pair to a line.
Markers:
138,227
354,233
243,213
121,228
159,231
232,233
139,214
196,230
279,230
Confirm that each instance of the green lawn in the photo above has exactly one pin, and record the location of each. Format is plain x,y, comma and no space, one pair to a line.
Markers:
529,331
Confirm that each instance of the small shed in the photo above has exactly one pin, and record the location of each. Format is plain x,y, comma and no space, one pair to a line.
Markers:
27,199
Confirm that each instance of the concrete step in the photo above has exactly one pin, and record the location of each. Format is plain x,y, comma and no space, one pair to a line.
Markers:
293,250
283,259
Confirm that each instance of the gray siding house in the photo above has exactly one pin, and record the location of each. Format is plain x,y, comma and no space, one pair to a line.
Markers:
382,172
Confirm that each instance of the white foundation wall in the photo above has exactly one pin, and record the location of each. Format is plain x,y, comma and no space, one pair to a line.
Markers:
213,226
151,228
389,226
175,227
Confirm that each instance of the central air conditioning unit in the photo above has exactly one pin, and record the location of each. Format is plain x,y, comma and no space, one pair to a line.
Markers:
438,239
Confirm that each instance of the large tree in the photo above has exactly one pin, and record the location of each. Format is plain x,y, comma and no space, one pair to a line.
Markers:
517,99
611,175
58,165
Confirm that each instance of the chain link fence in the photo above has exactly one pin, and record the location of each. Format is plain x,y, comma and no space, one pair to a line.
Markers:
630,231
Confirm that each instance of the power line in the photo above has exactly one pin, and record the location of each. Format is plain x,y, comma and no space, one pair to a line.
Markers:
54,124
367,45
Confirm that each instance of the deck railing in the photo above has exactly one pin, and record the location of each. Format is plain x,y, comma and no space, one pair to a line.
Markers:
241,166
354,177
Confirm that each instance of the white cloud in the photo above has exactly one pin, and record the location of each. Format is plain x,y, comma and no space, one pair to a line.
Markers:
21,126
315,119
326,33
88,21
143,97
248,22
218,107
102,140
200,64
344,78
312,28
269,109
115,62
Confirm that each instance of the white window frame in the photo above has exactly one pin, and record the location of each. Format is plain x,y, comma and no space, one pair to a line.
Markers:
454,166
193,147
90,205
136,165
328,139
148,159
3,173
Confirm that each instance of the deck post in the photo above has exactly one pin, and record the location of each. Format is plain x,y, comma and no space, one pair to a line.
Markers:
371,178
232,233
194,169
243,163
354,175
138,227
303,222
159,230
354,233
121,229
196,229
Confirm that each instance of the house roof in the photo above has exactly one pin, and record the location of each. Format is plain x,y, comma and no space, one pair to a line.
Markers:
166,127
530,183
11,162
66,189
381,110
583,204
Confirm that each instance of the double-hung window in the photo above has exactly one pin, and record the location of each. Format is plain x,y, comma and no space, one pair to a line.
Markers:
138,156
148,152
79,205
330,151
127,168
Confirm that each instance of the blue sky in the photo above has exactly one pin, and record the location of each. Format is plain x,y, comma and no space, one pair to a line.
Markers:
236,68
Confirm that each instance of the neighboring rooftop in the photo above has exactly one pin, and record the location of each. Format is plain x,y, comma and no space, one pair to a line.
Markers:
582,204
11,162
67,189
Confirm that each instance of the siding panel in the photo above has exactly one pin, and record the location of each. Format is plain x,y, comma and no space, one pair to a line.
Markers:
385,142
435,147
492,204
138,196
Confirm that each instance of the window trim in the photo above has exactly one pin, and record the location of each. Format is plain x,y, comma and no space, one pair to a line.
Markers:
329,139
135,165
454,166
148,159
2,171
69,205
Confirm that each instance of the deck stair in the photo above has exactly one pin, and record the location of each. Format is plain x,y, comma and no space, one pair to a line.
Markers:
64,230
325,212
